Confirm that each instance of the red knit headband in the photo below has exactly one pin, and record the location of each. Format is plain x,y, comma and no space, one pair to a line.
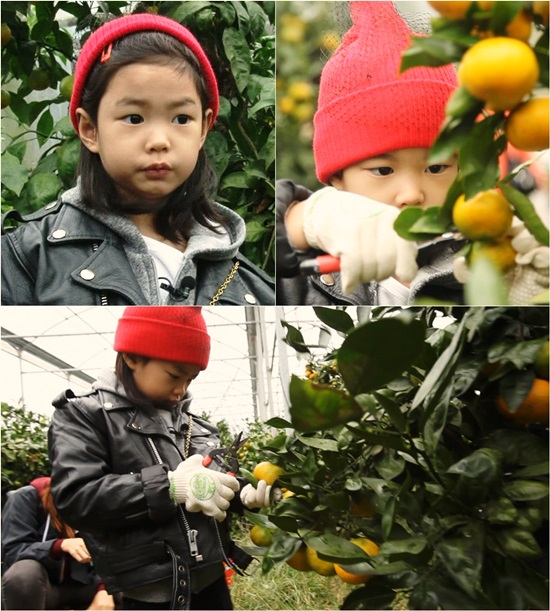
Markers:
108,33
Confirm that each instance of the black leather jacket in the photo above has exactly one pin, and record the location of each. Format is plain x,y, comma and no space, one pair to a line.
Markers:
61,255
109,480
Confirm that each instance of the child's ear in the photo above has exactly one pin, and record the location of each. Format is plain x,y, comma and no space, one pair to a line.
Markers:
87,130
206,124
130,360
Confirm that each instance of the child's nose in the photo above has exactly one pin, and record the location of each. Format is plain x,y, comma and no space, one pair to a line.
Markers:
410,193
158,140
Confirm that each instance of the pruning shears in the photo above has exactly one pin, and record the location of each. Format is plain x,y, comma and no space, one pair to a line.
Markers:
226,458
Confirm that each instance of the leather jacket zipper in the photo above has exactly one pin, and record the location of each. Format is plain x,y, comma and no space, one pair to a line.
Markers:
190,532
102,296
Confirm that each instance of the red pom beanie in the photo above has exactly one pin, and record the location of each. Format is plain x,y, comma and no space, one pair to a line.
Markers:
170,333
366,108
113,30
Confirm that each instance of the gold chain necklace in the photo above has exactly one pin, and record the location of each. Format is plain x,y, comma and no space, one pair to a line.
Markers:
225,284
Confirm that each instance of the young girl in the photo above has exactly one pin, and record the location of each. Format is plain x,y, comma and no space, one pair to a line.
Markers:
127,469
140,227
44,564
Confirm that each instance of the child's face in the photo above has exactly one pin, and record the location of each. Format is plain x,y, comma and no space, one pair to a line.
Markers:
159,381
400,178
149,132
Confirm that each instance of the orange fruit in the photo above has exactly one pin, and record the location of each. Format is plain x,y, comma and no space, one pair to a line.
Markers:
451,9
362,507
371,549
486,216
5,32
260,535
299,561
320,566
499,71
527,125
501,253
534,408
301,91
6,98
267,471
541,9
520,26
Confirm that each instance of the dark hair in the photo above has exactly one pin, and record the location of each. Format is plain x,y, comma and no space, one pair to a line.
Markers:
190,201
126,377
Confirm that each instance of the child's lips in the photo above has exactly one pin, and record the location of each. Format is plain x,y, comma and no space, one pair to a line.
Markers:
157,170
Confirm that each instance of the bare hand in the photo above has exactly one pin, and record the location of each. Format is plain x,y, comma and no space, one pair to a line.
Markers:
102,600
77,549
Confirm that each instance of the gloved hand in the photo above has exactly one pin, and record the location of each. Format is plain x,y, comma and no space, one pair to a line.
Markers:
530,276
359,231
261,496
202,489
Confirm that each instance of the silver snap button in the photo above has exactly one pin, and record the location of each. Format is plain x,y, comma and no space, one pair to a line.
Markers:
327,279
205,431
58,234
87,274
108,405
135,425
249,298
210,443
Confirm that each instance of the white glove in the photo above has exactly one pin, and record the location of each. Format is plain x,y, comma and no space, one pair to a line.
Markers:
359,231
261,496
202,489
530,276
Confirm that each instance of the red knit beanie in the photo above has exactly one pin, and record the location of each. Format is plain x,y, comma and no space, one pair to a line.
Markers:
111,31
366,108
170,333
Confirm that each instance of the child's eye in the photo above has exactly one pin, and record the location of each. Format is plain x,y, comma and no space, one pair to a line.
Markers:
436,168
174,376
133,119
382,171
181,119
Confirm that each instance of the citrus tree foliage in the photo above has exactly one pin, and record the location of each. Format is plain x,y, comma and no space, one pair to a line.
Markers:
473,129
401,422
38,55
24,447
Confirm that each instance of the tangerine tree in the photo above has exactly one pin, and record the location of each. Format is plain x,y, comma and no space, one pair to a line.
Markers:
501,49
403,448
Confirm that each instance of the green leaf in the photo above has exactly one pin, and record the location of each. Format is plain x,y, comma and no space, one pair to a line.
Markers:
486,284
515,386
483,464
278,423
336,549
525,210
368,360
294,338
412,545
44,127
255,231
329,445
43,189
316,407
525,490
67,160
462,102
392,408
463,558
518,543
430,51
501,511
14,173
335,319
238,53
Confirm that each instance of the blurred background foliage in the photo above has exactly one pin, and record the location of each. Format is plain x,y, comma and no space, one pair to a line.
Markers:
307,35
40,150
